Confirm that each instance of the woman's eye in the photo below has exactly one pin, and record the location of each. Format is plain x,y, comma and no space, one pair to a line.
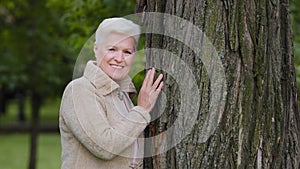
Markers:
111,49
128,52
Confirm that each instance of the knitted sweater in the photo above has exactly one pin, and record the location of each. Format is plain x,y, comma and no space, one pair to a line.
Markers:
99,125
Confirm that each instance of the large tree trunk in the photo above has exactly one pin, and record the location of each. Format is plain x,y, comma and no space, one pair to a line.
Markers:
258,126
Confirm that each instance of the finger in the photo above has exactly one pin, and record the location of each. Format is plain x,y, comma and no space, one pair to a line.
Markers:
145,82
158,90
157,81
151,78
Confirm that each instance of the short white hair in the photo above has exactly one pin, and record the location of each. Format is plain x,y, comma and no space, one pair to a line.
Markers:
117,25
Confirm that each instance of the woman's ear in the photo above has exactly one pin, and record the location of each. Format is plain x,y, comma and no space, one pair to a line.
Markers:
96,51
95,47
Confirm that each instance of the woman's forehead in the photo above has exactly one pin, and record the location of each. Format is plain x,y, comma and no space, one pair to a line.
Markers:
117,39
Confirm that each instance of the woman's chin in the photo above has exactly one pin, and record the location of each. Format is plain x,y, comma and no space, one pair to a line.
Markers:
118,76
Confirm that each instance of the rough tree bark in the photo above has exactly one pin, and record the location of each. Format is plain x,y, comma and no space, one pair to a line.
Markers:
260,124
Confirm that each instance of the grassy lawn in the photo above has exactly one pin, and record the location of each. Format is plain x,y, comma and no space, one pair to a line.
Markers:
14,150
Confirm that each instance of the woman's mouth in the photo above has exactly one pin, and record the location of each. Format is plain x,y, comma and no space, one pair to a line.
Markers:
117,66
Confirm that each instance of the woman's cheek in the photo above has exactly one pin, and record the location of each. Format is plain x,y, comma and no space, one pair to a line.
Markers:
129,60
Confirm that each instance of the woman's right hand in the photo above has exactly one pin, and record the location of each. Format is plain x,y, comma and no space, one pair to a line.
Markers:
149,91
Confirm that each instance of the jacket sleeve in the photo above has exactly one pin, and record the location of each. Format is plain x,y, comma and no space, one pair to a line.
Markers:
84,115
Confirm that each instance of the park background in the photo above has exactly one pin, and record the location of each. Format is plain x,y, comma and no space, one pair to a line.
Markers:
40,42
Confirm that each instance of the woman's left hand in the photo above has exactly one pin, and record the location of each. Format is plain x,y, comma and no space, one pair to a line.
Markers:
149,91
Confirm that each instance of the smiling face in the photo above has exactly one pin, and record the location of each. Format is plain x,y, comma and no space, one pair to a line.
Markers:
115,55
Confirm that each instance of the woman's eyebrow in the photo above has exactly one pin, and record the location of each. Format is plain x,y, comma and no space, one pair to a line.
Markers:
131,49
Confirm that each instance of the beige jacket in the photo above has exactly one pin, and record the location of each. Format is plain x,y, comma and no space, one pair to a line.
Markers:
99,125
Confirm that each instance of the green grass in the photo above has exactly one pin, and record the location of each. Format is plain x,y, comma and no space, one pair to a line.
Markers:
14,150
49,152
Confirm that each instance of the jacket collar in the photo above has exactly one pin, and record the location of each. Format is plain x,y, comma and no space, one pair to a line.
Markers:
103,82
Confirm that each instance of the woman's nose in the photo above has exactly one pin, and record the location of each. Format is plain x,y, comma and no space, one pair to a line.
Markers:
119,56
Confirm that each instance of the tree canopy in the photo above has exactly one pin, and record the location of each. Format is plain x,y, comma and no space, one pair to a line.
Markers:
40,40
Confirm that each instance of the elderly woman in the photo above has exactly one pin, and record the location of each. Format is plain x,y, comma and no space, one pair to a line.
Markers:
99,125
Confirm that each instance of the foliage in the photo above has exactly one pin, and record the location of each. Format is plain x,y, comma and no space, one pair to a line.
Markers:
33,55
295,18
41,38
83,17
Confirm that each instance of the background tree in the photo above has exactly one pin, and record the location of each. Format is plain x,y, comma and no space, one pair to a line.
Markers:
32,49
40,41
259,127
